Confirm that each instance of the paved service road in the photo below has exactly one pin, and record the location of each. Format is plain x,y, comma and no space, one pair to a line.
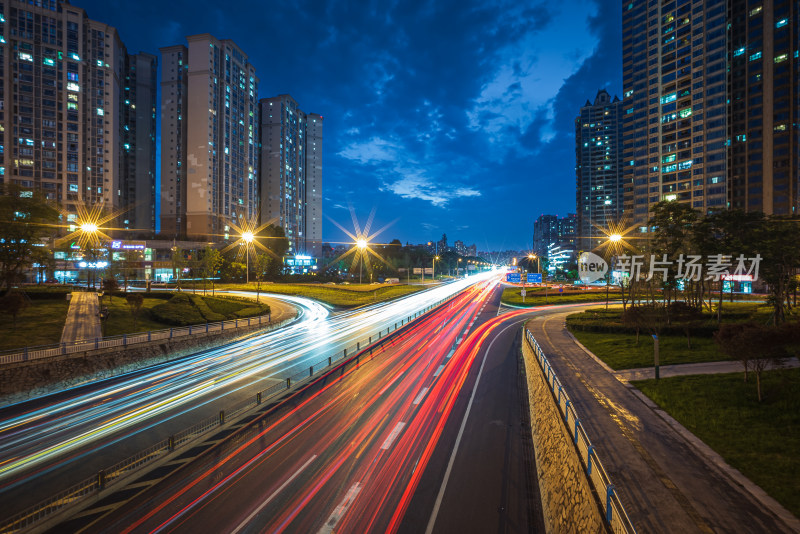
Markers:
428,432
664,484
83,321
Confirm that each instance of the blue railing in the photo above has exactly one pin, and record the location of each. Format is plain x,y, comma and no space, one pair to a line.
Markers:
615,514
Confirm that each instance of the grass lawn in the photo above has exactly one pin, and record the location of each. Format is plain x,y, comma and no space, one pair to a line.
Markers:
535,296
336,295
120,320
619,351
759,439
182,312
41,323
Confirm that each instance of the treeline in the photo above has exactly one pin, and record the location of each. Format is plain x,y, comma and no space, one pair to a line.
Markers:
679,232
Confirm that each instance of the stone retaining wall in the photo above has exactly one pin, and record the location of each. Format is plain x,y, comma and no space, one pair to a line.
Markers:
26,380
568,503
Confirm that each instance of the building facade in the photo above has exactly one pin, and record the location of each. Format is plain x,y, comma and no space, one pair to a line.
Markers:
64,109
598,169
764,113
209,152
674,118
554,230
291,172
139,103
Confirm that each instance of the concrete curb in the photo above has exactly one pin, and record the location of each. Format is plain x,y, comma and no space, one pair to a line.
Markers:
701,448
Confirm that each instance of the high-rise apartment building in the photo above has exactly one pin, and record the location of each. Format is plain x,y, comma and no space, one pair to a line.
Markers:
291,172
674,134
138,188
764,114
598,169
64,109
209,137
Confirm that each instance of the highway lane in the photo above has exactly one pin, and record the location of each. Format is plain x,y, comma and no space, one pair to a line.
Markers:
355,456
55,441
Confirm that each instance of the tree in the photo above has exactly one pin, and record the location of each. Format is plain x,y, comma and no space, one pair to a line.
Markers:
13,303
672,223
276,242
135,301
687,316
209,263
27,218
261,266
756,346
178,263
780,257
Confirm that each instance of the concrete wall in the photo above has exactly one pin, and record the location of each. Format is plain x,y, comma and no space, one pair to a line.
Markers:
27,380
568,503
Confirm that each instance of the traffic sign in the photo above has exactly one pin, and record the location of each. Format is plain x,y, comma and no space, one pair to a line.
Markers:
534,278
523,292
514,278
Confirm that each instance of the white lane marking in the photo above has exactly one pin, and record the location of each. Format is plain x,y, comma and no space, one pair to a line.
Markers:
395,431
419,397
461,431
439,370
340,510
274,494
453,351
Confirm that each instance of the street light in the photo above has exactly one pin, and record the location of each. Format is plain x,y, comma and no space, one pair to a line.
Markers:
247,237
361,243
614,240
434,267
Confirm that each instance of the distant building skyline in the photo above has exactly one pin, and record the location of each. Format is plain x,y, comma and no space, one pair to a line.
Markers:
552,229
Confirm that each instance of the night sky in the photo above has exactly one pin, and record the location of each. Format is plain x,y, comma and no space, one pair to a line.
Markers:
445,116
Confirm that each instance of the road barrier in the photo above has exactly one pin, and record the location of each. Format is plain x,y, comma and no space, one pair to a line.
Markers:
113,475
128,340
615,514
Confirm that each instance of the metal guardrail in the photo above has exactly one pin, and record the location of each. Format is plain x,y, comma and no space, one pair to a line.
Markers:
616,517
117,472
126,340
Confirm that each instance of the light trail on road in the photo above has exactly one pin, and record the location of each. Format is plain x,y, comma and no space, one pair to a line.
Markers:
45,435
347,458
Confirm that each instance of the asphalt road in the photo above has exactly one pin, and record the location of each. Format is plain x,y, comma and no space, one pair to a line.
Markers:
430,434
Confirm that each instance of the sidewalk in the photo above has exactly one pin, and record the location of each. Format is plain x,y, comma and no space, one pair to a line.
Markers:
667,479
705,368
83,321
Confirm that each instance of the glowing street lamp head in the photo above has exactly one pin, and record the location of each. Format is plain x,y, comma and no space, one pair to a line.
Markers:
247,237
615,238
361,243
89,227
531,256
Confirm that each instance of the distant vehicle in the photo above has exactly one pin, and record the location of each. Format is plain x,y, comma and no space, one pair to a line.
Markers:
392,281
344,283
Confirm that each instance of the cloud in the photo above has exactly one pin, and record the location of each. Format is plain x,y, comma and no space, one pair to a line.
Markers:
414,185
400,173
528,77
371,151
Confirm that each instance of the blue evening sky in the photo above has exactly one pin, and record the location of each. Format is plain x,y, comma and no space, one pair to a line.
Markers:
446,116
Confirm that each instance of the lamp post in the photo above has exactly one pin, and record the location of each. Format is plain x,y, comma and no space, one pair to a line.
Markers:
89,229
247,237
434,267
614,240
361,243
